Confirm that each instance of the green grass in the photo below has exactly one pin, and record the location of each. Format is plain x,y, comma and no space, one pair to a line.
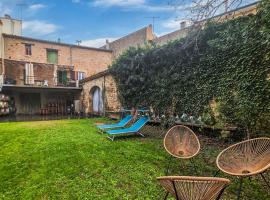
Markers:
69,159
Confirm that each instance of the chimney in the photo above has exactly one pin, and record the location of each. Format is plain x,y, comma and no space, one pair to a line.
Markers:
7,16
107,44
183,24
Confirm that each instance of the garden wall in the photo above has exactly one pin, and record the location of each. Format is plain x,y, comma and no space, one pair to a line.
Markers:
227,62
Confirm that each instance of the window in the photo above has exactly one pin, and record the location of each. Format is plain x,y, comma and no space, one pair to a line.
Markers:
28,49
29,78
62,77
81,75
52,56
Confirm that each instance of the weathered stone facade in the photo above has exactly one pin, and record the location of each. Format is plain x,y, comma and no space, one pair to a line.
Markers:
164,39
105,82
85,59
92,61
39,86
137,38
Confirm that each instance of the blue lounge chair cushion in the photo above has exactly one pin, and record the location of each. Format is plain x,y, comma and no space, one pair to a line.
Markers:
120,124
133,129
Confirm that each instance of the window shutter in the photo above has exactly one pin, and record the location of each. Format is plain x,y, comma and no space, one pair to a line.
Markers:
31,74
76,75
64,77
26,78
52,56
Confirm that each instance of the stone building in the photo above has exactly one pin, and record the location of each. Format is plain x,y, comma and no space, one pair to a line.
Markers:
104,81
49,77
100,94
99,91
43,76
137,38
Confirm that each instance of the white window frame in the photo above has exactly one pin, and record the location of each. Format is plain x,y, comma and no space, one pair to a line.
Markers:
81,75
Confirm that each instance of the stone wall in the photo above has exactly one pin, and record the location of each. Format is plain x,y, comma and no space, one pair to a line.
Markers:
172,36
138,38
84,59
109,90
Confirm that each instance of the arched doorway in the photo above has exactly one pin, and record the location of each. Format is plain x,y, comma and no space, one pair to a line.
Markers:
97,100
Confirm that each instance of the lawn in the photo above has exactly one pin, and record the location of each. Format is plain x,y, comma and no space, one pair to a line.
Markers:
69,159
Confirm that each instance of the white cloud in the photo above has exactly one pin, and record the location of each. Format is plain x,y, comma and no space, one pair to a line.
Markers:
38,28
76,1
99,42
122,3
152,8
132,5
35,7
174,24
4,9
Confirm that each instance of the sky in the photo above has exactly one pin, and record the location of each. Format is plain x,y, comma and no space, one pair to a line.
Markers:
94,21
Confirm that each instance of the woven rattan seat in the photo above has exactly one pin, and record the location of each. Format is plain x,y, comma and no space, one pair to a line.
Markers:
246,158
181,142
194,188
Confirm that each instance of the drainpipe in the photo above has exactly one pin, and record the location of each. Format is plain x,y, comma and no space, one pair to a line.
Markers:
2,49
70,56
103,95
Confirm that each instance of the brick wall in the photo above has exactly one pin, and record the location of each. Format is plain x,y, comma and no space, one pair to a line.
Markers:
88,60
15,70
138,38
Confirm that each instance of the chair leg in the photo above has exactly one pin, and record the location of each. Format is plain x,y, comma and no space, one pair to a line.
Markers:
166,196
220,193
240,188
181,167
168,166
265,180
217,173
141,134
176,194
194,166
111,138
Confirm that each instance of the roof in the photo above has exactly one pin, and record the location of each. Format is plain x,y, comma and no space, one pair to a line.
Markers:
95,76
55,43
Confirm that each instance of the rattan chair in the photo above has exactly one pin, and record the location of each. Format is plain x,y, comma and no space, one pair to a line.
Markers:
193,188
244,159
181,142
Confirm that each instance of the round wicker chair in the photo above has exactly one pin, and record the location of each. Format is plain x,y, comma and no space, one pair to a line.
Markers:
193,188
247,158
181,142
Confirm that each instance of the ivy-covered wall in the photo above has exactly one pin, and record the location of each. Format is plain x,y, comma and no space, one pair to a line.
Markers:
227,62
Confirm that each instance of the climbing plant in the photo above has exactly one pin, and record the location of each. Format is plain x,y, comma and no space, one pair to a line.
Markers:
228,62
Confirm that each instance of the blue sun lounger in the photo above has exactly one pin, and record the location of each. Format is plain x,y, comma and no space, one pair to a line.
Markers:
131,130
120,124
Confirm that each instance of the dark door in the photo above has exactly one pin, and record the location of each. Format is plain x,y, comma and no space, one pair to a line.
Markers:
29,103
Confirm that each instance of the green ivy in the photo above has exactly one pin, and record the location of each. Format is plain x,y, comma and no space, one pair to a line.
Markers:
228,62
